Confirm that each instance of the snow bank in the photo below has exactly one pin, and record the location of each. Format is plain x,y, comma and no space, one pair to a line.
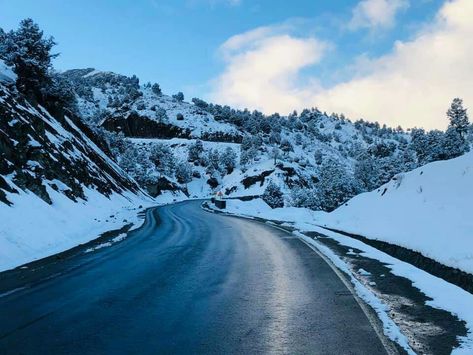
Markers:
427,210
31,229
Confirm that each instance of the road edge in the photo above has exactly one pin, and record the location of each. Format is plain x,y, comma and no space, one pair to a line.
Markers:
389,345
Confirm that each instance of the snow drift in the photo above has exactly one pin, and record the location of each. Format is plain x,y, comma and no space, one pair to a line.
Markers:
426,210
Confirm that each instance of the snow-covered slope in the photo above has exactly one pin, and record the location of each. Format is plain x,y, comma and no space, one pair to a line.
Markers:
57,186
427,210
121,104
302,141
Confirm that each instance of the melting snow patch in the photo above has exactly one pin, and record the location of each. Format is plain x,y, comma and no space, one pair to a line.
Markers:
117,239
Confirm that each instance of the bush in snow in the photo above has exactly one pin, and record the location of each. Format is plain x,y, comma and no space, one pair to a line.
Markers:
336,185
306,198
161,115
228,160
178,97
184,172
156,89
195,150
200,103
273,196
163,159
286,146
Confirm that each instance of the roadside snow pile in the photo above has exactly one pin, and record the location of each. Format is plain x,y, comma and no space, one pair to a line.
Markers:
427,210
32,229
259,208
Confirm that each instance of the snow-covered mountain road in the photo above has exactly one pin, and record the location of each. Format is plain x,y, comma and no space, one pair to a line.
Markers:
187,281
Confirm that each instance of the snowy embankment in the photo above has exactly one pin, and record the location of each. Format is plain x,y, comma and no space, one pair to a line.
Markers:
31,229
427,210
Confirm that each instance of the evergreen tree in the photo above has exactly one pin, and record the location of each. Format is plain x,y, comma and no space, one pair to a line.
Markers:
156,89
305,197
195,150
458,117
228,160
336,185
454,144
29,52
275,154
163,159
273,196
184,172
366,171
179,96
214,160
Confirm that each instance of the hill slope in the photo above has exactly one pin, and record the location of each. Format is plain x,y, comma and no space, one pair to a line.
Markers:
146,118
57,187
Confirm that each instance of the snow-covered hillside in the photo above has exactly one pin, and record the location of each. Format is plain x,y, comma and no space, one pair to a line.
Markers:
289,151
120,103
57,186
427,210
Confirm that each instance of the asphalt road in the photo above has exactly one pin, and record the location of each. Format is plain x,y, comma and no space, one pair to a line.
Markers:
195,282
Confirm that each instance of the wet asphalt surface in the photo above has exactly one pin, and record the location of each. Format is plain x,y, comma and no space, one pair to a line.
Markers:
186,282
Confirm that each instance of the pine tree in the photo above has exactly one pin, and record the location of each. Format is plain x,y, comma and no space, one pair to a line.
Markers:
458,117
273,196
454,144
179,96
183,173
195,150
305,197
156,89
163,159
366,171
30,54
336,185
228,160
214,159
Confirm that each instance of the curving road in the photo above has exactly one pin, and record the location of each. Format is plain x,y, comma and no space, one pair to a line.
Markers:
194,283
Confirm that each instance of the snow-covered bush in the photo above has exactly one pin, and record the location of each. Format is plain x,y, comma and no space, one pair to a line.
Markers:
304,197
336,185
184,172
228,160
273,196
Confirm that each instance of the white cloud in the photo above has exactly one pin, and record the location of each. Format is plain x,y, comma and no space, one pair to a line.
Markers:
262,68
411,86
414,84
376,14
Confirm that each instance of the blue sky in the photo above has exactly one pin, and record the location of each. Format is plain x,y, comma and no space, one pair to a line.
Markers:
179,43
